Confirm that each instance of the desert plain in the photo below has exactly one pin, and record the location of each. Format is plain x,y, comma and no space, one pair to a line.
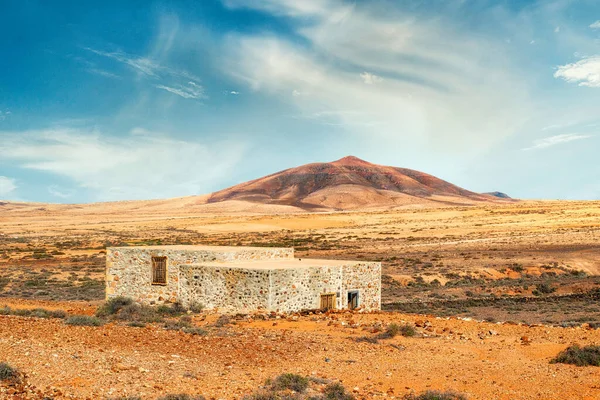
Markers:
494,292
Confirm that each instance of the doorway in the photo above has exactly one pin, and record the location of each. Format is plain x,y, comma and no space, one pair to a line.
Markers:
352,299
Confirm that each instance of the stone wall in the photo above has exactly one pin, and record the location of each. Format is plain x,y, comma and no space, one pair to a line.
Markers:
301,288
366,278
129,269
224,288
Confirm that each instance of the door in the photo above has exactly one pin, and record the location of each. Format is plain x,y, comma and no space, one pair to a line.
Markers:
328,301
353,299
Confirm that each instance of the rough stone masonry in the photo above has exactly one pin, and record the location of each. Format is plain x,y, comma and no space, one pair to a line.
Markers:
240,279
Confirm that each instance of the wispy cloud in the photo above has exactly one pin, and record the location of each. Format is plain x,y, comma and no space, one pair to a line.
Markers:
190,91
140,165
174,80
585,72
56,191
556,140
7,185
434,73
370,79
595,25
4,115
141,65
101,72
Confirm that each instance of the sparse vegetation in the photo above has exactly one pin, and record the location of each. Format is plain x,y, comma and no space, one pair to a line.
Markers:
171,310
294,382
296,387
84,320
394,330
36,312
336,391
580,356
181,397
436,395
113,306
8,373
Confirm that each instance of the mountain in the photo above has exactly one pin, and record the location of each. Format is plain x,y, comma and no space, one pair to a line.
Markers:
500,195
349,183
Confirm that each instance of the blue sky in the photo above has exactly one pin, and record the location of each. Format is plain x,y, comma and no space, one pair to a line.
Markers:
117,100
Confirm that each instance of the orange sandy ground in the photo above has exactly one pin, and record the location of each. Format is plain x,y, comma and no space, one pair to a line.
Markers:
103,362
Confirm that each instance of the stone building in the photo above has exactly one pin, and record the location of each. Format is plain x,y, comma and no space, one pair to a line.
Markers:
240,279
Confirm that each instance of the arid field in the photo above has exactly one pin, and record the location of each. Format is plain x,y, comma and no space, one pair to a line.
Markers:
494,292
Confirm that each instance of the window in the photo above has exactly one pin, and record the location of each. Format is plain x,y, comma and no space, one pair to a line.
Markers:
159,270
328,301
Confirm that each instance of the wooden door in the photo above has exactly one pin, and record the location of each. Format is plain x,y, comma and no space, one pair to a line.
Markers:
328,301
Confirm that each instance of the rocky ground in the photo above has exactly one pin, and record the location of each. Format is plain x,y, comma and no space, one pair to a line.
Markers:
483,360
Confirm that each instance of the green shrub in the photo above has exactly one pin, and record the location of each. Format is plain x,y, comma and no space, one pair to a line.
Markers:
8,373
394,329
223,320
294,382
580,356
36,312
138,313
436,395
196,307
544,288
127,398
172,310
263,395
181,397
195,331
407,330
336,391
83,320
61,314
21,312
113,306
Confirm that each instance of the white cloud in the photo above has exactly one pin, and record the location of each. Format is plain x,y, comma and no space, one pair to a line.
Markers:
595,25
555,140
4,115
444,89
138,166
101,72
586,72
370,79
293,8
176,81
233,92
59,192
7,185
189,91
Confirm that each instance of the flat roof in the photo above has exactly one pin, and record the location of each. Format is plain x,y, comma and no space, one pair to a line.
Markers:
193,247
289,263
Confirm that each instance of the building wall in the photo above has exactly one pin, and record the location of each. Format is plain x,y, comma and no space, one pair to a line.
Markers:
301,288
231,289
129,269
224,288
366,278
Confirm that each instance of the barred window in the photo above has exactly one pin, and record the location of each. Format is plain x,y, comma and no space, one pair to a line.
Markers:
159,270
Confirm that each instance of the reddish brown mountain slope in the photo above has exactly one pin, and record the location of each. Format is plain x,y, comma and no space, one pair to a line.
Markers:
346,184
